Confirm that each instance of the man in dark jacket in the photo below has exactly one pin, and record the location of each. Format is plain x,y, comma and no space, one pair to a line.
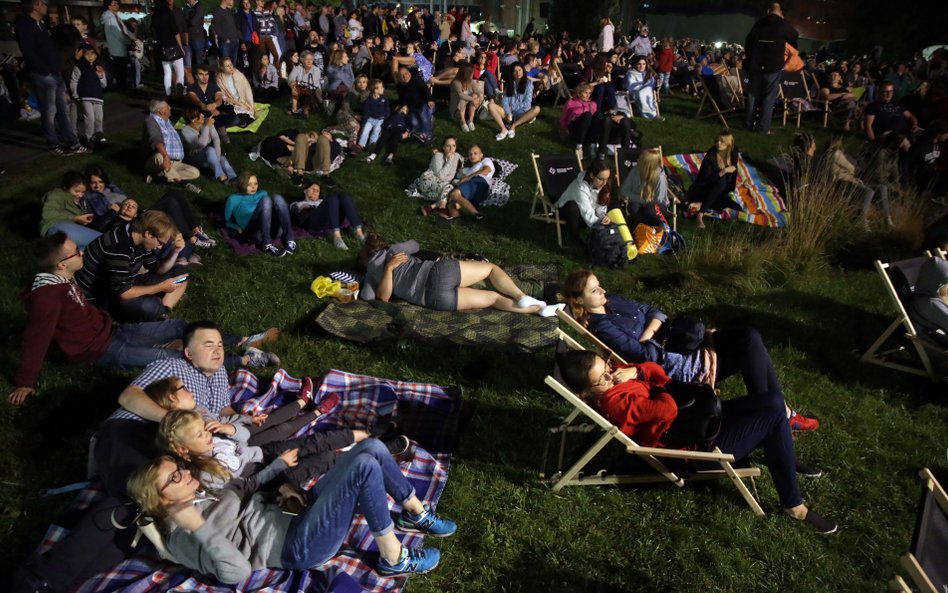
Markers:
765,58
44,67
225,27
197,38
414,93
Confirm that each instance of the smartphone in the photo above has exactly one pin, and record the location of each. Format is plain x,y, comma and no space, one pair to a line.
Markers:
181,280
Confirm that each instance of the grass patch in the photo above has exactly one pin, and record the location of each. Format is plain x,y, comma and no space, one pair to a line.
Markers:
879,427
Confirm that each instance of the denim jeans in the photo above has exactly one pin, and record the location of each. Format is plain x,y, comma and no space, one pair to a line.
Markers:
261,227
51,92
422,121
371,130
196,52
136,345
760,420
228,49
762,94
330,214
219,165
358,483
82,235
490,84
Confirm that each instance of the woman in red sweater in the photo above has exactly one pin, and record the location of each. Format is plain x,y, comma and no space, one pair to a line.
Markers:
633,397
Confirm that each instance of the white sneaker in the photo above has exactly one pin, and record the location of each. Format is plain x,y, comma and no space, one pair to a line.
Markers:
511,133
464,127
471,126
502,135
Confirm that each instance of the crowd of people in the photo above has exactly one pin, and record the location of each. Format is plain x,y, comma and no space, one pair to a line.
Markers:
111,272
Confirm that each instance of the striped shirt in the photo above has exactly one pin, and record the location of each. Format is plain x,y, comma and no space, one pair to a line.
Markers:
111,263
210,392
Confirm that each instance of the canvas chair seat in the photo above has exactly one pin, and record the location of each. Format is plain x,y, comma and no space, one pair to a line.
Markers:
719,98
925,561
554,174
656,458
899,279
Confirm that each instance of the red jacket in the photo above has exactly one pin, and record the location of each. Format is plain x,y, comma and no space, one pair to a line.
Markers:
58,312
666,60
641,408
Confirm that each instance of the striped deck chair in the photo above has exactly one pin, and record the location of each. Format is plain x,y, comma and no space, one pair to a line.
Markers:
925,561
652,456
760,200
899,279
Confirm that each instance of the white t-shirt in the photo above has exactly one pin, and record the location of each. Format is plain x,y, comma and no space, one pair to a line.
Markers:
485,162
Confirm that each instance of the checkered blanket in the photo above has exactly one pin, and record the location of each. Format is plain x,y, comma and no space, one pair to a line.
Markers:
428,414
760,201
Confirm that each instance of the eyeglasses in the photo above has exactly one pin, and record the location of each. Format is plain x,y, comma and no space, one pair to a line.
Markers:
604,379
161,243
175,478
180,387
78,253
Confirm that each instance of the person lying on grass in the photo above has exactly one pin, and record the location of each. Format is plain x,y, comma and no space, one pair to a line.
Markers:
633,397
393,271
58,312
231,532
635,332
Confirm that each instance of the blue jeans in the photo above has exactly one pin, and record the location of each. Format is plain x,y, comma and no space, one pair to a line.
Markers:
476,190
490,84
422,121
82,235
760,420
261,227
330,214
136,345
358,483
228,49
371,129
51,92
762,93
196,53
219,165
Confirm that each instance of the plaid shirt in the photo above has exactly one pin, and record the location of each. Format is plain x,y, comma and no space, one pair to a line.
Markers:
212,392
170,138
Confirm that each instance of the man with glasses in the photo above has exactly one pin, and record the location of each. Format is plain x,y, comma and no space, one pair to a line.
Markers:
886,114
58,312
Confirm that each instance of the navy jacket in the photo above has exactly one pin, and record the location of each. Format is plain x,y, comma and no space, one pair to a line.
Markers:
37,46
622,325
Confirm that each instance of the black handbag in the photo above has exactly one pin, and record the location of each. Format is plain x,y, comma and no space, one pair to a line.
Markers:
170,53
683,335
698,421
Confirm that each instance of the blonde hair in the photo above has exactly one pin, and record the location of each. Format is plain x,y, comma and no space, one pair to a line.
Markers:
582,88
160,391
143,488
943,292
650,167
724,159
170,440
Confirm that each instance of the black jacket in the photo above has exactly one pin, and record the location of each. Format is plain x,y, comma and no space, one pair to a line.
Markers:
765,44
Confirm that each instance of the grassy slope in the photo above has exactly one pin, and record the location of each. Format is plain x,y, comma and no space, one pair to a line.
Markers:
879,427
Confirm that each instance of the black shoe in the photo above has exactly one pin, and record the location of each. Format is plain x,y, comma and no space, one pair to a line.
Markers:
399,446
384,430
822,525
808,471
329,182
296,179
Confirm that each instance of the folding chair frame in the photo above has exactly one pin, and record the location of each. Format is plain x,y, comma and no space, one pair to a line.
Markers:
909,562
706,96
922,345
543,208
572,476
619,181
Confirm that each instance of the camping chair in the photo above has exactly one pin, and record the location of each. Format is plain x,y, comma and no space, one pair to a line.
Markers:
899,279
794,95
554,174
567,76
718,95
650,455
626,160
928,542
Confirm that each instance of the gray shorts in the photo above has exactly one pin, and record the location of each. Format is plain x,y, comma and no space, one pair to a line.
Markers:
441,288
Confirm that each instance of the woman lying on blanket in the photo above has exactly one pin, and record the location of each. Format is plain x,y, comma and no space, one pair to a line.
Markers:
634,331
717,178
633,397
260,217
317,213
444,285
232,532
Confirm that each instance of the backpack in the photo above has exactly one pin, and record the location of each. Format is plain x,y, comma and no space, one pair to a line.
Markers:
606,247
698,421
672,242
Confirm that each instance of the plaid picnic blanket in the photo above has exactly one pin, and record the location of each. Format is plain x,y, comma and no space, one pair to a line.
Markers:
760,201
426,413
376,321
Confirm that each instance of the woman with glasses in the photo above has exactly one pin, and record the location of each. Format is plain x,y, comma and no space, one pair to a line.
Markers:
231,532
586,200
634,398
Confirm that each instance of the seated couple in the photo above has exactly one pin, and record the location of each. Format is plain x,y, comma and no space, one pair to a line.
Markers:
396,271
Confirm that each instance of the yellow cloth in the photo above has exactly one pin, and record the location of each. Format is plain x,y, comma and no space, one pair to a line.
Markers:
323,287
618,219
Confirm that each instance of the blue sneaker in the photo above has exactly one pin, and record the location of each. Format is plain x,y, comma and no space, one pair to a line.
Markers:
412,561
428,523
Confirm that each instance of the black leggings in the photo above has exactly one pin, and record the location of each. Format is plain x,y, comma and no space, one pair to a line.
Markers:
317,453
742,350
388,141
584,129
176,206
280,425
569,213
621,131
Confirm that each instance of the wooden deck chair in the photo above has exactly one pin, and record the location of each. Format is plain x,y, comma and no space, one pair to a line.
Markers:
554,174
652,456
925,562
626,160
717,96
794,94
899,279
568,76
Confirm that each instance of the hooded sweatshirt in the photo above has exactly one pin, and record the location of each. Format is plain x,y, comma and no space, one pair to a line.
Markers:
927,309
58,312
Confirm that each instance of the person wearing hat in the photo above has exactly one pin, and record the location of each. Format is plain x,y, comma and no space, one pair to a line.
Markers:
87,85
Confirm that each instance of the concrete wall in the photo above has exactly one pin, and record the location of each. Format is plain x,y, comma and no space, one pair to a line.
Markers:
710,27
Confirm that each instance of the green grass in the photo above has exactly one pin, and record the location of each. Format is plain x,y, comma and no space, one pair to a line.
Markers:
879,427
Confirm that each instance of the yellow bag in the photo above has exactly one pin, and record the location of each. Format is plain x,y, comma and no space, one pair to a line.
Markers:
323,287
648,238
